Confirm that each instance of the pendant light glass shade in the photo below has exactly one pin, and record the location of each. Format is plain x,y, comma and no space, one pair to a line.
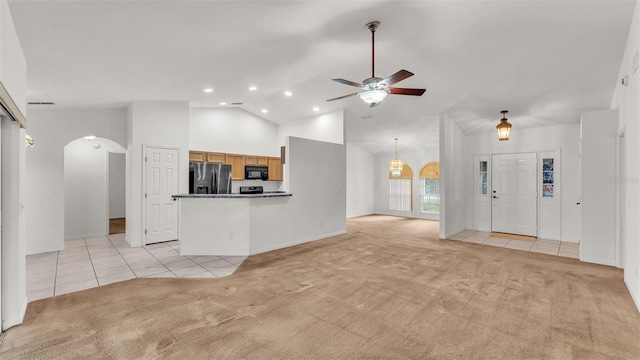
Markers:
504,128
373,96
396,165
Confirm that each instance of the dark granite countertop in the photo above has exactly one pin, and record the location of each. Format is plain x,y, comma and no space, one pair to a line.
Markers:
234,196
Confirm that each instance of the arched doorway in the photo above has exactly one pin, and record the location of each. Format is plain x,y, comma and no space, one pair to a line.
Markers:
88,176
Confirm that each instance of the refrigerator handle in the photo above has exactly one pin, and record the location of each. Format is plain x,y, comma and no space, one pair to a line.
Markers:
214,186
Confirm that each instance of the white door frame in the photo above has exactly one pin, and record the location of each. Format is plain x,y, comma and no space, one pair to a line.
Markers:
108,172
144,187
621,197
480,208
2,239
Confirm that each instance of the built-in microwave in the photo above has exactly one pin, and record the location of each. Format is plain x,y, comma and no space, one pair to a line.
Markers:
252,172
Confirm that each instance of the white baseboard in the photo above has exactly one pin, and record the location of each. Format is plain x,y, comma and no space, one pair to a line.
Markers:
74,237
598,261
8,323
45,250
297,242
218,253
447,236
635,297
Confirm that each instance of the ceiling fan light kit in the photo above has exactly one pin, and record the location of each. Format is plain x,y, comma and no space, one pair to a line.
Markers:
373,97
375,89
504,127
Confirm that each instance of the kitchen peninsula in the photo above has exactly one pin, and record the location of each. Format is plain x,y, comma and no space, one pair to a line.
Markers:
232,224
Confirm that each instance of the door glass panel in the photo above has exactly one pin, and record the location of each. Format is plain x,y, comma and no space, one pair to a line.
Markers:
548,177
483,178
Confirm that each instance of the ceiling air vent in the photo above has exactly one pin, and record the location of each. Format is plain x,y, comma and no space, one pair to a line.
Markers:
40,103
237,103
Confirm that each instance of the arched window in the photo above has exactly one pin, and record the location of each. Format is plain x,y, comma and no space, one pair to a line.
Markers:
400,193
430,188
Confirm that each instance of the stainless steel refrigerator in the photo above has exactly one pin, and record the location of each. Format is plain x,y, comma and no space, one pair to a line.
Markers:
209,178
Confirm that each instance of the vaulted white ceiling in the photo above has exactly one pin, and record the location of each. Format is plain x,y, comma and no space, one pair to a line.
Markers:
544,61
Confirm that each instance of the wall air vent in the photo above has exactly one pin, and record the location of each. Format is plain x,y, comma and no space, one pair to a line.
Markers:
40,103
237,103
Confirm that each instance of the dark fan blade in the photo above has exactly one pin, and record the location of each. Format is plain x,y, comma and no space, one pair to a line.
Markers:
403,91
399,76
342,97
347,82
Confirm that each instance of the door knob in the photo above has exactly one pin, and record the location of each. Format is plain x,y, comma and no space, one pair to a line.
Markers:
495,197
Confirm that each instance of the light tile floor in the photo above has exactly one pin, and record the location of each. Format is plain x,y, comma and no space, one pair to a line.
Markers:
92,262
550,247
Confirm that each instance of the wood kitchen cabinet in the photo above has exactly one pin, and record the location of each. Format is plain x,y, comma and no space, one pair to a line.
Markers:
197,156
238,162
275,169
216,158
250,160
237,165
256,160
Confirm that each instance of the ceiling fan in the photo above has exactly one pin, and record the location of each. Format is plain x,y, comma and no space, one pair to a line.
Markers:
375,89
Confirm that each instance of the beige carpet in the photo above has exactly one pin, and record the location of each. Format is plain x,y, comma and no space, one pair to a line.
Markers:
387,289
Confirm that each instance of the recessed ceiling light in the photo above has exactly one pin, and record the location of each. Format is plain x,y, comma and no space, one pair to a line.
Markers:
208,90
315,108
223,103
253,88
264,111
288,93
89,137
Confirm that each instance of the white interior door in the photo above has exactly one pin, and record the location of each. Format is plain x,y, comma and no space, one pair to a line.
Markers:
161,182
514,194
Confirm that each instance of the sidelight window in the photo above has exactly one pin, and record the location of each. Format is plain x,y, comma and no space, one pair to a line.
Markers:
482,181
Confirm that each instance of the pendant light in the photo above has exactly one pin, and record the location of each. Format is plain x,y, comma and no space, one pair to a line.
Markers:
504,127
396,165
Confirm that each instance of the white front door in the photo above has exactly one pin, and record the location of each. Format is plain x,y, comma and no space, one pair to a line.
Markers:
161,182
513,194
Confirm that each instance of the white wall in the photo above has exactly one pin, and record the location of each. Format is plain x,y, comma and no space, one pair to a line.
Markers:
551,138
157,124
14,204
52,129
13,65
626,99
360,181
415,159
232,130
317,209
86,187
452,186
598,133
327,127
117,185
